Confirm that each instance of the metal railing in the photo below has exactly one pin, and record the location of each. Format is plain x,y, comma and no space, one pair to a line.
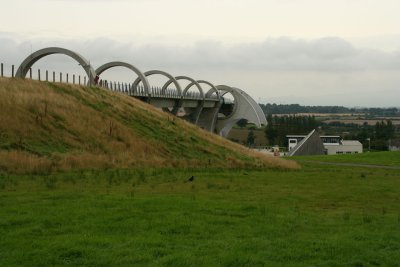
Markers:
114,86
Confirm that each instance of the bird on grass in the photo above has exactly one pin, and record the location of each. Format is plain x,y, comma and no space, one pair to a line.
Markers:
191,179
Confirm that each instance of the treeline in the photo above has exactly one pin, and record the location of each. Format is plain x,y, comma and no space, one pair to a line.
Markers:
296,108
280,126
374,137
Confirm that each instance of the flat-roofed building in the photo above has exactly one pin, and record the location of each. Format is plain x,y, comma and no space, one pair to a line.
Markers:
344,147
333,144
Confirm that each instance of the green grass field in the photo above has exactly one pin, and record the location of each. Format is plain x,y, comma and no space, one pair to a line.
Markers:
316,216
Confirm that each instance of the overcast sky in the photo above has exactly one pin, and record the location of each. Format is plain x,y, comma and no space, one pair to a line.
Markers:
311,52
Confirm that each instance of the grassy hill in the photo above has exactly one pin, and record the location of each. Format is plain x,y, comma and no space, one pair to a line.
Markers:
46,127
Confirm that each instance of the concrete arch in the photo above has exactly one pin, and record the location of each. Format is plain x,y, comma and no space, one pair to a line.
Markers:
208,117
140,74
257,109
160,72
171,78
193,82
212,90
245,108
195,114
34,57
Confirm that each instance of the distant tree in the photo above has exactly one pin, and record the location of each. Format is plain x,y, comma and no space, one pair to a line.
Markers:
390,130
296,108
270,131
250,138
280,126
242,123
384,130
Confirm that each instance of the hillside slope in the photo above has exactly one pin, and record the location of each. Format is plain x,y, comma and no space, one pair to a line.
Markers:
47,127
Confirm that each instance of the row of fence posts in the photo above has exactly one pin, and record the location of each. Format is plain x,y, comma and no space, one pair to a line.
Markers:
113,86
47,75
2,70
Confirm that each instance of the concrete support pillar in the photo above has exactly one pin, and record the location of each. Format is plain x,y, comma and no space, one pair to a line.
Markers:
208,117
38,72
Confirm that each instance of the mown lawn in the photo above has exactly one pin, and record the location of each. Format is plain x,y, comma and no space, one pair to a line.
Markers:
387,158
316,216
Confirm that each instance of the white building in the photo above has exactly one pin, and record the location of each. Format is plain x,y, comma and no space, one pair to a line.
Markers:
333,144
394,145
344,147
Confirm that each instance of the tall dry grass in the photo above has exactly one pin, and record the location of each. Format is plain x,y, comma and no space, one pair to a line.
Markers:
47,127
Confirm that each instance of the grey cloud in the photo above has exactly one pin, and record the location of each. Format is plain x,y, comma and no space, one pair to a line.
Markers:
322,71
281,54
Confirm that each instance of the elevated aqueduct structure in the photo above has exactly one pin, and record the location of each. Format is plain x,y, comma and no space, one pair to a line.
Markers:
210,109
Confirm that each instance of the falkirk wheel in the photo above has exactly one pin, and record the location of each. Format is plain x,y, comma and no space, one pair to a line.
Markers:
244,107
210,109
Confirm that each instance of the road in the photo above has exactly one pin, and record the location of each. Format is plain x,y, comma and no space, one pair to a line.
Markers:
352,164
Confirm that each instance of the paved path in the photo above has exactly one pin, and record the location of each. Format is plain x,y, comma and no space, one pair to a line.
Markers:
352,164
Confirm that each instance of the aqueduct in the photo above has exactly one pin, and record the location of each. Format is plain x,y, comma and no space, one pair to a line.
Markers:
209,109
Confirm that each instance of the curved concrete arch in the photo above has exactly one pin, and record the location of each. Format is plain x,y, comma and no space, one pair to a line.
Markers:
260,113
212,90
166,74
35,56
223,90
113,64
195,115
193,82
208,117
245,108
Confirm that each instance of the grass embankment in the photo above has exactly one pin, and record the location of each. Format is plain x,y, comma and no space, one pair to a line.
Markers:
316,216
388,158
47,127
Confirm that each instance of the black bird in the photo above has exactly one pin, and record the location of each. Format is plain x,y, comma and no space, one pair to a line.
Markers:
191,179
